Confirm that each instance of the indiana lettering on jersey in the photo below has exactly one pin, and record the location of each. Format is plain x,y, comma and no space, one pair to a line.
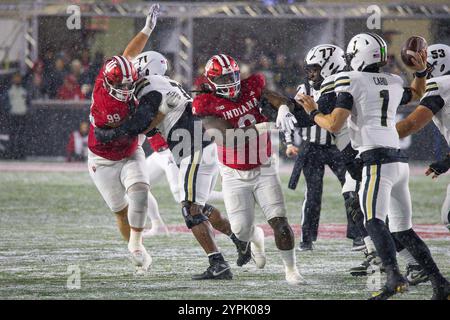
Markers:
241,110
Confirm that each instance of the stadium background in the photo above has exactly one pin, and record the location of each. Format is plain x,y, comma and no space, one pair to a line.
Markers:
57,65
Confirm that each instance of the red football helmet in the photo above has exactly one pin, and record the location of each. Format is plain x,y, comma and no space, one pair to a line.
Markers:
120,76
222,73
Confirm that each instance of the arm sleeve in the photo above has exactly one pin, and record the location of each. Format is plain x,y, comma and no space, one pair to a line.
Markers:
407,96
432,98
327,102
141,119
344,100
346,90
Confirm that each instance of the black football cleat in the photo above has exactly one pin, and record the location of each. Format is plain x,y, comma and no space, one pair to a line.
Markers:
441,292
217,271
244,251
393,286
305,246
415,274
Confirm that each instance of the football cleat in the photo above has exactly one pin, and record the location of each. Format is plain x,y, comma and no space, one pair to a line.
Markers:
442,292
415,274
141,260
392,287
243,249
369,265
257,248
160,230
358,244
294,278
305,246
216,271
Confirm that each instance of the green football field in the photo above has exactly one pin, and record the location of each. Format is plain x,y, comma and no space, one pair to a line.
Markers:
55,226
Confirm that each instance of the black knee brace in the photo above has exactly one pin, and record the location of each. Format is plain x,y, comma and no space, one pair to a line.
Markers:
191,220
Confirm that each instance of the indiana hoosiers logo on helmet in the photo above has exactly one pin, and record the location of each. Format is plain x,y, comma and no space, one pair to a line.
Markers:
120,76
222,73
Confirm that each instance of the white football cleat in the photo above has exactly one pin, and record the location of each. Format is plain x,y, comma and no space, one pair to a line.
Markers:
159,230
294,278
141,260
257,247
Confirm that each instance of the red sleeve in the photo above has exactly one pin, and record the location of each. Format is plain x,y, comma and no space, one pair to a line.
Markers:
200,106
70,149
259,80
158,143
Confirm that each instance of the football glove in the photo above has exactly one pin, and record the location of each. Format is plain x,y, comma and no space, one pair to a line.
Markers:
285,119
440,167
152,17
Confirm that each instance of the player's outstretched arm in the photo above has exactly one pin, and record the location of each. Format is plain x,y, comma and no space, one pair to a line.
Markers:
418,119
332,122
419,82
137,44
142,121
285,121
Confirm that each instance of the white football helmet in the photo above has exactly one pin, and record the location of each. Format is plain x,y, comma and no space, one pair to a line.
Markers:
438,57
149,63
329,58
366,49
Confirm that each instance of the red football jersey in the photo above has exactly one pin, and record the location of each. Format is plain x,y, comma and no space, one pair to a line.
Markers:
105,110
240,113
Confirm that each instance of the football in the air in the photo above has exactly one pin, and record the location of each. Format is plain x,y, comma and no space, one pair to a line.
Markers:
410,47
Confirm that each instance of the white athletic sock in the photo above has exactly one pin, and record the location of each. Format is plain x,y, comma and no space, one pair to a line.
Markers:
288,257
369,244
153,211
407,257
135,242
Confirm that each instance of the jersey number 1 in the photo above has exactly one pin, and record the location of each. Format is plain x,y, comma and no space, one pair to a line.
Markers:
384,94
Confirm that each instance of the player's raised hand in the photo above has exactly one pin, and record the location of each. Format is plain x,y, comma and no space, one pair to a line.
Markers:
285,119
152,17
419,60
306,101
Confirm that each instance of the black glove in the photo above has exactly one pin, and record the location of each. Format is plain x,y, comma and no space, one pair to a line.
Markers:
355,168
440,167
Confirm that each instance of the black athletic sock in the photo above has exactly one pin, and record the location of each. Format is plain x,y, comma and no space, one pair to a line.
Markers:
215,258
384,244
419,250
398,245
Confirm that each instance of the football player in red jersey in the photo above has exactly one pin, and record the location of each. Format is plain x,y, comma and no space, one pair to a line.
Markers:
247,168
118,167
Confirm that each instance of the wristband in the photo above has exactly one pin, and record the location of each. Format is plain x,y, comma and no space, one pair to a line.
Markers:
421,74
313,114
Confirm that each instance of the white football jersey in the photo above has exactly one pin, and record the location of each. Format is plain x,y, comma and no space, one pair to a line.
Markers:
341,138
165,85
376,97
437,98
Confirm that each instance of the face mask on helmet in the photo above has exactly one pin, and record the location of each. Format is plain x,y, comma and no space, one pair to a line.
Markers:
227,85
313,74
122,92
